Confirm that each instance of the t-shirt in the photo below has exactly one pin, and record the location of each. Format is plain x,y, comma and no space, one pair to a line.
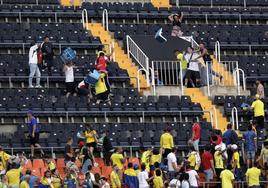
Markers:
183,61
155,158
192,161
101,63
67,149
264,153
236,158
145,158
226,179
230,137
116,159
258,107
33,54
142,177
100,86
196,130
69,74
175,182
250,137
260,91
185,184
205,159
24,184
32,181
4,157
218,160
193,65
13,177
166,141
171,157
192,178
253,175
85,152
90,138
31,124
115,178
158,182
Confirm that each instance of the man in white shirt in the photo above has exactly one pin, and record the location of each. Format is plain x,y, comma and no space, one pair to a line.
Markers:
193,177
192,72
172,163
34,69
143,177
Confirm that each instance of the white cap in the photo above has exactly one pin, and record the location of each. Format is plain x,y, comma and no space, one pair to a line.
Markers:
234,146
217,147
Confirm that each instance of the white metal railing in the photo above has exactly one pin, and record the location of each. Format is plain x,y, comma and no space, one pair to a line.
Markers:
105,19
85,19
146,72
235,117
237,82
215,117
134,51
218,51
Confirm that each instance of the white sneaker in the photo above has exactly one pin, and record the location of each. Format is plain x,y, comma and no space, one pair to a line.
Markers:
38,86
31,86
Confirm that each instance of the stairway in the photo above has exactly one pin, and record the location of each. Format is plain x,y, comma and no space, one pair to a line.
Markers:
197,96
161,3
228,77
120,57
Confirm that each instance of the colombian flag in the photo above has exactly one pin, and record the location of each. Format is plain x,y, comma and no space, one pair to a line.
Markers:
131,179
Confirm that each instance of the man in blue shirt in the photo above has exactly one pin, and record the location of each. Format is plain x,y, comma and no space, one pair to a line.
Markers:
250,145
230,137
33,179
33,133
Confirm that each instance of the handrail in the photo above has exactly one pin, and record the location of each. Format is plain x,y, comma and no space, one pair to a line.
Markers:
235,118
138,77
85,19
218,51
105,18
215,117
208,80
236,76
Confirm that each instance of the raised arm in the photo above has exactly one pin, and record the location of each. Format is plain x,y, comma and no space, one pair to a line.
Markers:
181,17
170,17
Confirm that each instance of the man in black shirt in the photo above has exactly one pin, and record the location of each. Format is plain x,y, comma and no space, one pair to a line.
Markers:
68,151
107,148
47,52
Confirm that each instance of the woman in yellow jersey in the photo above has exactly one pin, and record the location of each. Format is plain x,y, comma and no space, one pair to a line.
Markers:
102,92
91,137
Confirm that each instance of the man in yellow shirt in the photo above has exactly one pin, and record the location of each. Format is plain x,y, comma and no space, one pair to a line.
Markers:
117,159
155,157
158,181
166,142
192,159
253,176
25,182
115,180
4,157
236,163
227,177
145,157
258,107
180,57
13,175
218,158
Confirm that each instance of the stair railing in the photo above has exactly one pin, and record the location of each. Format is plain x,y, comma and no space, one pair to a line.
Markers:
85,19
218,51
146,75
236,77
215,117
105,18
235,117
208,82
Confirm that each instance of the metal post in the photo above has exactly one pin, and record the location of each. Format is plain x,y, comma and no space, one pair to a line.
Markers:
47,81
146,71
211,4
128,46
153,80
36,2
240,19
250,50
245,3
23,48
211,117
56,18
67,117
19,17
181,80
208,84
60,48
215,117
235,118
206,17
178,3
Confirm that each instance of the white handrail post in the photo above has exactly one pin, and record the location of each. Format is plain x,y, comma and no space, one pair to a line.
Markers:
128,46
245,3
153,80
85,19
178,3
219,51
216,51
215,117
138,78
208,84
181,80
147,69
211,117
235,118
105,19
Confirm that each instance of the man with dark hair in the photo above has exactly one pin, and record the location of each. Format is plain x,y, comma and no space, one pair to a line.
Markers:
130,177
33,133
47,52
68,151
195,134
208,164
172,163
166,142
230,137
250,139
143,177
158,181
260,89
33,64
227,177
107,147
253,176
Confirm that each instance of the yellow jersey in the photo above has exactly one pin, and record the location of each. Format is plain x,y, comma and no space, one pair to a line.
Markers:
145,158
115,180
100,86
226,178
258,107
158,182
183,61
24,184
155,158
116,159
253,175
13,177
218,160
90,138
192,161
4,159
236,158
166,141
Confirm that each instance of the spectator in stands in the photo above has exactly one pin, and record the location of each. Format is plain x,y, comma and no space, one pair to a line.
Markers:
158,181
216,140
155,157
193,177
88,182
175,182
86,158
4,181
194,160
227,177
192,72
195,134
107,148
260,89
185,180
236,164
180,57
250,139
91,140
253,176
33,64
117,159
208,62
258,107
104,182
130,177
68,69
33,179
4,158
176,20
143,177
84,89
47,52
263,158
33,133
56,179
102,92
230,137
13,175
208,164
25,183
115,180
172,163
219,162
68,151
145,157
166,142
70,180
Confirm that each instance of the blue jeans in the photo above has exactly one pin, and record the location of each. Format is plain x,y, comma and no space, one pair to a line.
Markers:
34,70
85,166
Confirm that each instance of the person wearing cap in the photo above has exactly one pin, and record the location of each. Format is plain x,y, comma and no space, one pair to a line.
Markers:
219,164
4,157
33,179
25,182
260,89
166,142
227,177
33,133
258,107
253,176
250,139
236,164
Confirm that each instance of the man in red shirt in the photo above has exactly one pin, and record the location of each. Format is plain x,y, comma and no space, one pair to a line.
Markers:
195,134
208,164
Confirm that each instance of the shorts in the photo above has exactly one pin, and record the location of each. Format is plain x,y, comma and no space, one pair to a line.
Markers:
34,140
195,144
260,122
92,144
192,74
103,96
208,174
238,174
251,155
70,87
